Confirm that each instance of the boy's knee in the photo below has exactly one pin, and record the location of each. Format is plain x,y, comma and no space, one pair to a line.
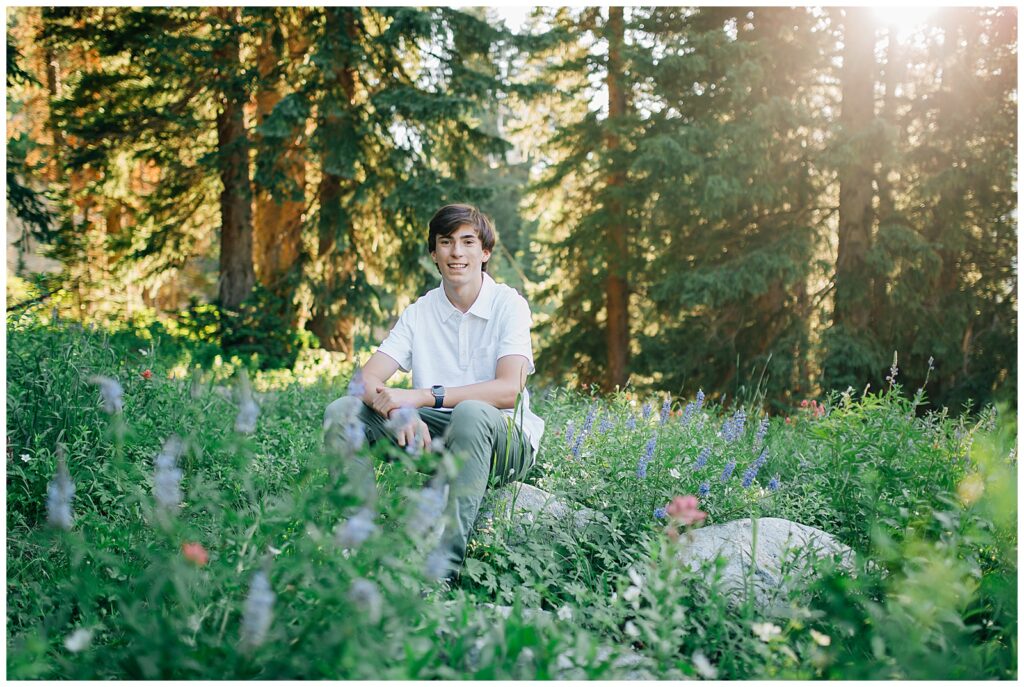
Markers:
471,415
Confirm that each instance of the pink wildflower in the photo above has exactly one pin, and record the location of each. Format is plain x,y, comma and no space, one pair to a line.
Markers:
196,553
684,510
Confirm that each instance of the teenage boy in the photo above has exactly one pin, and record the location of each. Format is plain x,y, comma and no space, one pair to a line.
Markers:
467,344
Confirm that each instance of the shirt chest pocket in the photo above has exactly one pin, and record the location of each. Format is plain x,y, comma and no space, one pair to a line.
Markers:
483,363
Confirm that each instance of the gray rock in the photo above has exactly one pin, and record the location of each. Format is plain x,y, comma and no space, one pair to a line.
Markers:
523,502
786,552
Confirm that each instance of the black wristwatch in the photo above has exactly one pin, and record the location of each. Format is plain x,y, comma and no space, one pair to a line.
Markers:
438,392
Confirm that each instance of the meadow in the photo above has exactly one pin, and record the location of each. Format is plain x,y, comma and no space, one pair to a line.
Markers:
236,550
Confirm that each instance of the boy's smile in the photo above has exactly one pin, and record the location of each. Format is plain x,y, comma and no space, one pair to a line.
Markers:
460,257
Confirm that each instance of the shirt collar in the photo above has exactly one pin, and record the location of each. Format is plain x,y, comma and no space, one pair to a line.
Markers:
482,307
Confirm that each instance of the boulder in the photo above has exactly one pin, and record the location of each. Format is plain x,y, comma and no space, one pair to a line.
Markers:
523,502
785,555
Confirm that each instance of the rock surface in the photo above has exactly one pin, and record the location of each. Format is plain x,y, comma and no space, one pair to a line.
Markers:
525,501
785,554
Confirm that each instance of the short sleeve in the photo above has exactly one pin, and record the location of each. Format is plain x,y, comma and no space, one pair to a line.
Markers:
398,343
515,332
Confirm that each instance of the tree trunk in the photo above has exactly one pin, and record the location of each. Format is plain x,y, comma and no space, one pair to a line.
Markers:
617,243
330,321
853,284
277,227
236,267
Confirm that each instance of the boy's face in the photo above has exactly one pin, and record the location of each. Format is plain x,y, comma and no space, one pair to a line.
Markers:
460,256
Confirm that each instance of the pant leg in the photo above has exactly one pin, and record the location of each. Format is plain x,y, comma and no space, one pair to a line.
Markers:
485,442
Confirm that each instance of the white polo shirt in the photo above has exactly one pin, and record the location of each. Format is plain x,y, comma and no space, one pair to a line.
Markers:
441,345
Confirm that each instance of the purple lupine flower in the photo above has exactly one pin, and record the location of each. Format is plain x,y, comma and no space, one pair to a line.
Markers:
110,392
733,427
702,459
589,422
748,475
762,430
761,459
259,610
606,425
727,472
704,489
570,430
773,483
666,408
641,468
646,410
356,386
700,400
631,422
660,513
578,445
687,414
167,475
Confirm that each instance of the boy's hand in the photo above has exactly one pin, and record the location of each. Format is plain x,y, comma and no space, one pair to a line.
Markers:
416,433
389,399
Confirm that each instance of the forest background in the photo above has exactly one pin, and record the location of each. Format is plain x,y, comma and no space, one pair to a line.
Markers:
706,197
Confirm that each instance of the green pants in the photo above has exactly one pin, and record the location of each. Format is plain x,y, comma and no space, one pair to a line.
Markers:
486,443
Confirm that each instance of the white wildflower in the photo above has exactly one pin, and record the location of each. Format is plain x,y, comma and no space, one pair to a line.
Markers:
78,640
565,613
703,666
59,494
631,629
613,598
167,475
820,639
674,474
631,593
259,610
437,565
766,631
111,393
356,529
365,595
637,579
248,411
430,503
25,457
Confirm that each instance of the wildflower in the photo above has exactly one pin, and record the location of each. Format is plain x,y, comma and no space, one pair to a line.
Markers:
684,510
588,423
803,403
259,610
748,476
727,472
430,503
646,410
704,489
732,428
630,629
761,459
766,631
111,393
606,424
565,613
578,445
665,408
193,551
820,639
762,430
59,494
641,468
437,565
773,483
700,400
631,422
893,371
674,474
703,666
365,595
403,418
687,414
78,640
631,594
702,458
356,386
147,374
25,457
570,430
660,513
245,421
355,530
167,474
971,488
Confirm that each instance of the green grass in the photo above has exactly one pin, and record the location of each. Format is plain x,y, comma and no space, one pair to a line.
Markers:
934,594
